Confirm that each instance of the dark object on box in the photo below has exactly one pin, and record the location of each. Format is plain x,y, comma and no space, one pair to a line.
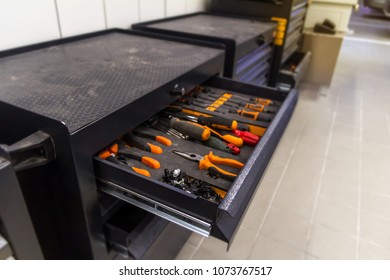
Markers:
327,27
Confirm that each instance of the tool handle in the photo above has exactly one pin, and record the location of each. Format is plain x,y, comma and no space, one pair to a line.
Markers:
219,192
248,137
214,170
141,171
229,138
253,115
110,157
235,150
218,122
218,144
266,102
224,161
161,139
140,144
255,107
155,164
193,130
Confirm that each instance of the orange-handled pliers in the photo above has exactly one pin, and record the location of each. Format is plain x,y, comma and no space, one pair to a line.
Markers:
209,162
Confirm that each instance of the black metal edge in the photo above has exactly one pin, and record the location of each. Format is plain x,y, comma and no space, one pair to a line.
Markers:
232,208
249,89
227,15
229,44
15,216
33,47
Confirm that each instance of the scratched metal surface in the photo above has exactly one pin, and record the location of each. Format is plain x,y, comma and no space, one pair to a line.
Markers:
240,30
80,82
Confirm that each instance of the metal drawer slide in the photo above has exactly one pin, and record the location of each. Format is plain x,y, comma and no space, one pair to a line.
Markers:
155,207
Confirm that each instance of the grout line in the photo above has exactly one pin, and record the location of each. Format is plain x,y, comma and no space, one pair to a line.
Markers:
58,18
278,185
318,192
196,249
360,170
363,40
105,14
388,122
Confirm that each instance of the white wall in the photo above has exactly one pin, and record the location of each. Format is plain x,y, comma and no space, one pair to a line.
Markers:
25,22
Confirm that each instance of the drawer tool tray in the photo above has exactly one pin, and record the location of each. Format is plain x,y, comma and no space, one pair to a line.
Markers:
188,210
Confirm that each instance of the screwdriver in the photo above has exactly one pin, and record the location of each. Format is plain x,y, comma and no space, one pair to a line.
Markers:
111,157
161,139
257,116
248,137
218,144
258,100
137,142
255,107
122,150
228,138
212,121
193,130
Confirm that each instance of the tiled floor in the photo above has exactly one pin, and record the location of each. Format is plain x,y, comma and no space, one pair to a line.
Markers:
326,193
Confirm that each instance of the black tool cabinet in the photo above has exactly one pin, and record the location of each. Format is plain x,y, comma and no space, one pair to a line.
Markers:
248,41
63,101
289,64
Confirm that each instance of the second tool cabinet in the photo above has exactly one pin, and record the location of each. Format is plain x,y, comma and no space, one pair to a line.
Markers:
247,41
78,96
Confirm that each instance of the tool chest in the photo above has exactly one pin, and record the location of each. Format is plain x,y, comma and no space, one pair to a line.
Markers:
78,97
247,41
289,63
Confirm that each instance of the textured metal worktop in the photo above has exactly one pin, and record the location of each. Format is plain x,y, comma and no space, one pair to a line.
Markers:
82,81
238,29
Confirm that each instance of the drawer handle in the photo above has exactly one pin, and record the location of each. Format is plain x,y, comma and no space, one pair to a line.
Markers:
178,90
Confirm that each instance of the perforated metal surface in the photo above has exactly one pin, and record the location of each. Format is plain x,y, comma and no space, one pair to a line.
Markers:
80,82
238,29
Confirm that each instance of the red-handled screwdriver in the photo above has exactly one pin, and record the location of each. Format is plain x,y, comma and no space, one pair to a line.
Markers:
248,137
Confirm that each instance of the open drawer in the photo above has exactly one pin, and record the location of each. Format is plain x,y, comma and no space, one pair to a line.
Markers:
193,212
293,70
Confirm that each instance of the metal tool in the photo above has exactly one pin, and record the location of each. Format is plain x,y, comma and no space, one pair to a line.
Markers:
161,139
111,157
209,162
125,151
139,143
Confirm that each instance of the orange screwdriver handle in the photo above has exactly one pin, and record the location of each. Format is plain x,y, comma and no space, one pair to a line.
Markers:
255,107
248,114
151,162
224,161
237,141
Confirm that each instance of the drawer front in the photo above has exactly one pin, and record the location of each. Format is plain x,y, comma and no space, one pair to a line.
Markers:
206,217
294,70
131,231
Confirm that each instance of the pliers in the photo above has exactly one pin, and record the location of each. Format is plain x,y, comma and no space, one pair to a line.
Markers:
209,162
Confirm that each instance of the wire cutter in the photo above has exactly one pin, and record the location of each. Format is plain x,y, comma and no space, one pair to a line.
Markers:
209,162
